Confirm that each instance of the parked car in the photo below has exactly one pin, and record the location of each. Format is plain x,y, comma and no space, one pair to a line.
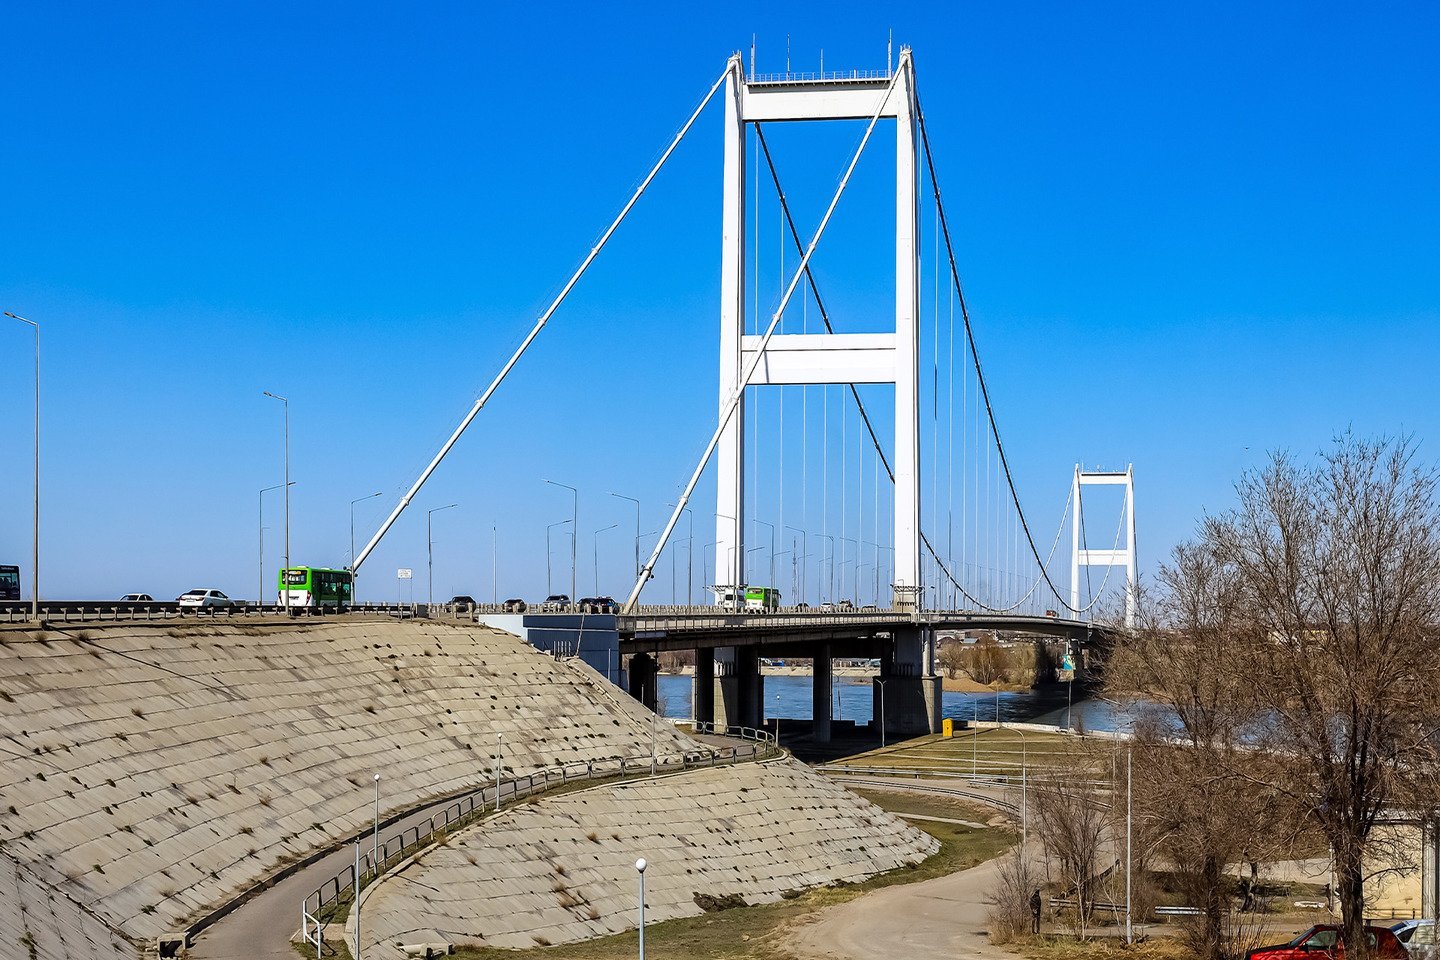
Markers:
197,599
1324,938
462,601
137,598
515,605
555,602
1406,930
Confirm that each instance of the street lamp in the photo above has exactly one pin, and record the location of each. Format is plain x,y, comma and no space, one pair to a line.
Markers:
499,752
595,553
285,594
831,591
35,562
375,849
767,523
574,529
549,587
804,555
689,557
882,683
430,554
640,868
260,597
621,496
35,558
352,540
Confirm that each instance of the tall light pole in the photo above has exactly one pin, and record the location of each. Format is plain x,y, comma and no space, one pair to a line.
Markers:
595,553
621,496
689,557
430,554
882,712
804,555
35,534
574,529
375,848
767,523
831,591
494,579
640,868
352,540
285,594
549,588
499,752
260,597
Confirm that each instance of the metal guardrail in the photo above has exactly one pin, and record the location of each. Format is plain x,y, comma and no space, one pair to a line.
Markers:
818,76
83,611
472,807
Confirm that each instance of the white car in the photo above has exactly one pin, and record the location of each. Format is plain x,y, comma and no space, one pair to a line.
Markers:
196,599
137,598
555,603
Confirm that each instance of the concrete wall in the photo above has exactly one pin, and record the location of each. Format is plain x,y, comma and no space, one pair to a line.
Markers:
154,772
563,869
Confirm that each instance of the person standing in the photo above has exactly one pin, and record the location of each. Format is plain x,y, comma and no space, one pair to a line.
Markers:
1035,912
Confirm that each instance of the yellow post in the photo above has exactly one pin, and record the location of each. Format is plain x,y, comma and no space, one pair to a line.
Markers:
947,728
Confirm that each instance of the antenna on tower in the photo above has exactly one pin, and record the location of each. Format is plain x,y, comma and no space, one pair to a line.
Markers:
889,54
787,54
752,56
822,63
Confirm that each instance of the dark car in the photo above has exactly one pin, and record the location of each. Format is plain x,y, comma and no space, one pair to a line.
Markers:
1324,939
515,605
461,601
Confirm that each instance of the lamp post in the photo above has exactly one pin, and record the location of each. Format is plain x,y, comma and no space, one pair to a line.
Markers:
640,869
371,496
689,556
772,548
499,752
430,555
804,555
831,591
494,591
35,533
882,712
549,588
621,496
285,594
574,529
595,553
260,597
375,842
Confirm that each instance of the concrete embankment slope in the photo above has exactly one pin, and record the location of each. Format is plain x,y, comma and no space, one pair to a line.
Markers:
563,869
150,774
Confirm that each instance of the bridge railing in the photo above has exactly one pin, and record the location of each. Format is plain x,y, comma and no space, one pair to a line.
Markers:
332,898
83,611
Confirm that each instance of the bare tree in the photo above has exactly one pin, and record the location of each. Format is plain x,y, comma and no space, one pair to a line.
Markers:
1009,914
1069,812
1195,786
951,658
1336,568
986,662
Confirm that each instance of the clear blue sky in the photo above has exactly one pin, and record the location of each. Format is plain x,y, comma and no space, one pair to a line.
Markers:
1189,234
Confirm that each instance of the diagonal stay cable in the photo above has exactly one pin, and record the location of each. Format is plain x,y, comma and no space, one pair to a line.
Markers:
979,373
539,324
734,399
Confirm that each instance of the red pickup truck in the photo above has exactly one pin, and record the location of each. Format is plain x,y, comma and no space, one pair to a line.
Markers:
1323,941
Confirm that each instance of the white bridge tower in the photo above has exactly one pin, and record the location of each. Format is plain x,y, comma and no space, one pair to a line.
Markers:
1116,556
821,358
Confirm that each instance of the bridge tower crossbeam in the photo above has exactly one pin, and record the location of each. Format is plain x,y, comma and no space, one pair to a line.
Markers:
1117,556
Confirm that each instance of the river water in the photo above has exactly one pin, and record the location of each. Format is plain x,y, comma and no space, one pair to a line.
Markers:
790,697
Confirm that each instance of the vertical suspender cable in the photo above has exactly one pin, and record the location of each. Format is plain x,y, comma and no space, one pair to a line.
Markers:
535,330
749,374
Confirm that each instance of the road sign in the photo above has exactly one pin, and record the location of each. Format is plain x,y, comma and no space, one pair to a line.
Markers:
405,573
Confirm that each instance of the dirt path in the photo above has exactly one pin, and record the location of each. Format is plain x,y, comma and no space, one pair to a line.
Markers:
944,917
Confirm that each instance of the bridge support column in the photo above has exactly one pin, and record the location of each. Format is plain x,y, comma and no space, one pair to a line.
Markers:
821,693
907,694
702,687
739,688
643,675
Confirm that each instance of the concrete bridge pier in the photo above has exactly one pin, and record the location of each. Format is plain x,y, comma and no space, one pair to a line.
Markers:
643,676
821,694
739,689
702,685
908,691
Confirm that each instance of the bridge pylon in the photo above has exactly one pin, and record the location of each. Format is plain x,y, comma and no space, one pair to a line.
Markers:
824,358
1115,556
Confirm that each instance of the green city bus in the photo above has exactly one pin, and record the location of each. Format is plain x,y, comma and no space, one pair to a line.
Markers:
764,599
316,587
